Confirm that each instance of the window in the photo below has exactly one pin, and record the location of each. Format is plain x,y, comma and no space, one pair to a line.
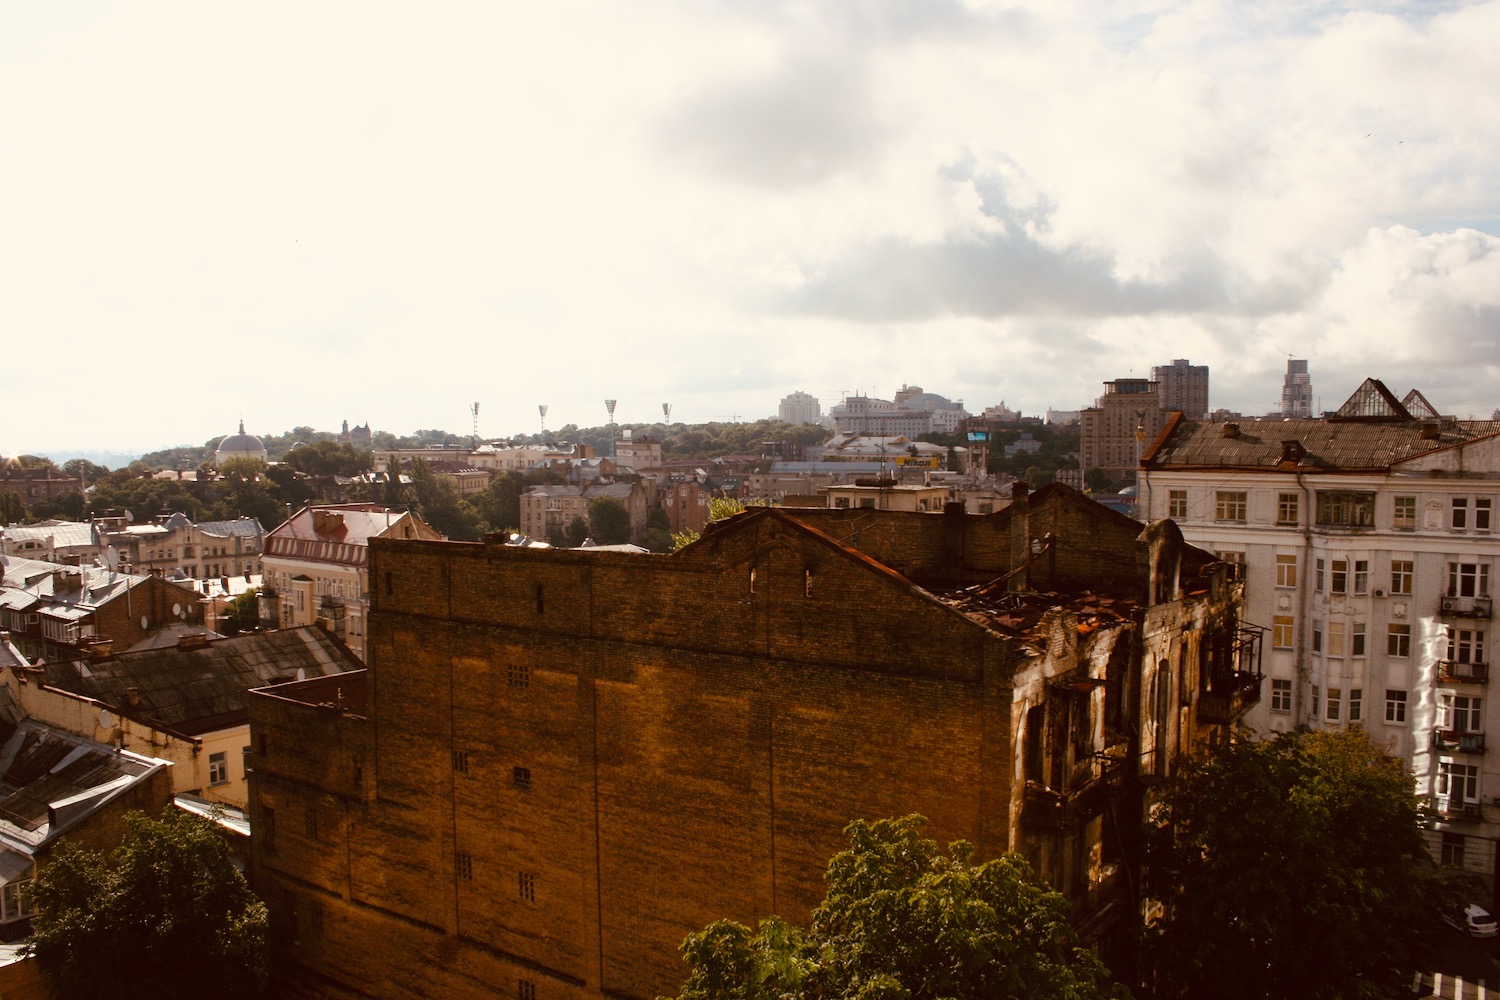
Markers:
518,675
1281,696
526,886
1357,639
1361,576
1335,703
1401,576
1177,503
16,899
1344,509
1398,640
315,915
1286,571
268,828
1460,519
525,989
1314,701
1338,579
1460,713
1336,639
1465,645
842,503
461,762
463,865
1458,782
1281,631
1356,699
1395,705
1235,561
218,769
1317,637
1286,508
245,754
1229,505
1318,576
521,778
1468,579
312,821
1453,849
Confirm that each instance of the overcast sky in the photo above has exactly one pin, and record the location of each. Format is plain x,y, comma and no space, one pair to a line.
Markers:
306,212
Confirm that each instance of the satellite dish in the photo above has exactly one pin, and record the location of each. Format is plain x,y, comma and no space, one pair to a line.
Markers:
145,622
112,558
177,610
106,721
301,674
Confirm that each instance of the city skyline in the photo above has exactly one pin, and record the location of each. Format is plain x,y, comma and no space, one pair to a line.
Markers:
374,214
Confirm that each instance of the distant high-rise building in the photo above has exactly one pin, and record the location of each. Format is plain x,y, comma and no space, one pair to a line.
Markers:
800,408
1296,391
1182,386
1124,421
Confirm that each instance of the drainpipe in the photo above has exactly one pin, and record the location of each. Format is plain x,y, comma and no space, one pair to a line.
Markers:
1304,612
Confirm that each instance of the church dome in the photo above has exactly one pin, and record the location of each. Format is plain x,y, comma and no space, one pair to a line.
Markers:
240,445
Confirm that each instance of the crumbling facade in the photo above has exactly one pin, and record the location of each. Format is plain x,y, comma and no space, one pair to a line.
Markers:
563,763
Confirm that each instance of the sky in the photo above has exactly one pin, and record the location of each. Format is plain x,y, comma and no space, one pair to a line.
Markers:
297,214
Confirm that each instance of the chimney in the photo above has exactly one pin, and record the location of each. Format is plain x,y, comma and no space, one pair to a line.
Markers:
133,696
954,520
1020,536
1231,430
1292,452
192,640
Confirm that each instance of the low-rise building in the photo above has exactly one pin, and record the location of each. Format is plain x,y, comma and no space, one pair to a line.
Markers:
316,566
186,704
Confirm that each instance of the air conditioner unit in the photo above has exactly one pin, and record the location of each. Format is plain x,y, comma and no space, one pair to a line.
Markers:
1483,606
1379,592
1450,605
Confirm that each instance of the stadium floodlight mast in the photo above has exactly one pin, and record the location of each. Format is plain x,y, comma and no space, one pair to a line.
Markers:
609,404
542,409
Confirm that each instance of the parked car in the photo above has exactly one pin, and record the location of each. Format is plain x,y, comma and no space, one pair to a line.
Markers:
1473,920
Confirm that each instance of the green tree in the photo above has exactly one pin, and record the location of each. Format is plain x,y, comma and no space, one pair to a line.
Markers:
609,521
329,458
160,917
903,920
1290,867
576,533
12,510
499,505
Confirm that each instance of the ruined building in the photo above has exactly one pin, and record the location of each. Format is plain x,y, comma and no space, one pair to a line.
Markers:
558,764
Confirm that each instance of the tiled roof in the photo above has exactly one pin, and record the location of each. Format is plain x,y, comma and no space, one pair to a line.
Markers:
197,690
1324,444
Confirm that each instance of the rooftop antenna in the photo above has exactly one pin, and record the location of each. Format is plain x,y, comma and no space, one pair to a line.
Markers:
474,409
542,409
609,404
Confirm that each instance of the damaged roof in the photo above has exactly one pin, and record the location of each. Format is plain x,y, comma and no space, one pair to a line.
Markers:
1324,445
1019,614
197,690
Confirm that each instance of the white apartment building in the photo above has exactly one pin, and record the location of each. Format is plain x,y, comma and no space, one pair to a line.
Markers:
1368,545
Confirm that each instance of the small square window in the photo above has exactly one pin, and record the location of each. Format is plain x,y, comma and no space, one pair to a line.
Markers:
525,990
1395,705
1177,504
1281,695
519,675
461,761
218,769
463,865
521,778
526,886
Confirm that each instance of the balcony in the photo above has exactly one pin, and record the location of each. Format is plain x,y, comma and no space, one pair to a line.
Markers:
1228,701
1454,741
1094,781
1436,807
1453,672
1466,607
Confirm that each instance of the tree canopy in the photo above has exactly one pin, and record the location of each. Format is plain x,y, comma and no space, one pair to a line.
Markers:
609,521
903,920
166,916
1290,867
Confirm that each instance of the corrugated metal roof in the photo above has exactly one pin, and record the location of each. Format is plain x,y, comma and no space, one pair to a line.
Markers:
197,690
1326,445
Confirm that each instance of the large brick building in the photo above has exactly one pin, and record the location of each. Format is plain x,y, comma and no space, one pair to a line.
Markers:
563,763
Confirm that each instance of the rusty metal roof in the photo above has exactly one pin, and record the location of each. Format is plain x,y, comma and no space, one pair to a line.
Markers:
197,690
1320,444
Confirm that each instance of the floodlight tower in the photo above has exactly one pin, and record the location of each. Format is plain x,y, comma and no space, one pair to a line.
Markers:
474,439
609,404
542,409
666,411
